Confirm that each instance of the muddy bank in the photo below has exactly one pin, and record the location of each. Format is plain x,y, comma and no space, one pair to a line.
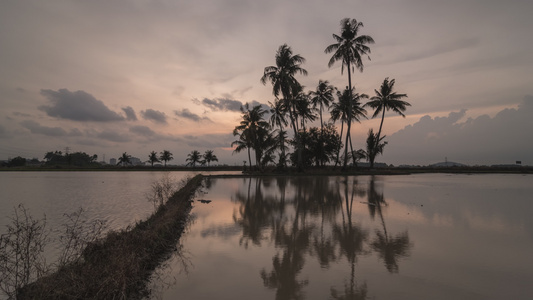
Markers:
119,266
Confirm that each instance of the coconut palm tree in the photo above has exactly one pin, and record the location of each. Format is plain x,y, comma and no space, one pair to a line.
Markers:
244,142
166,156
209,156
322,97
152,158
252,128
124,159
374,146
386,99
193,158
302,105
348,49
284,83
348,109
277,117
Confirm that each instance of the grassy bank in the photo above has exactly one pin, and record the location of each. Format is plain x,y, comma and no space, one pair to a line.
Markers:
119,266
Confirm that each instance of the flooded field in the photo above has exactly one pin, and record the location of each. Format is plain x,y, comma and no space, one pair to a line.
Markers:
424,236
427,236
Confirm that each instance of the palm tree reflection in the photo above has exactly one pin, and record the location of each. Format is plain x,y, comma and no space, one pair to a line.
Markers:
351,238
254,213
389,248
314,216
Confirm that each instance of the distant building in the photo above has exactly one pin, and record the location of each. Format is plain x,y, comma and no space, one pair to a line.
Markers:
135,161
113,161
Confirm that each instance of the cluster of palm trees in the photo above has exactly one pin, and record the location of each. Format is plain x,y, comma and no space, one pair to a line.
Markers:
195,157
164,156
294,108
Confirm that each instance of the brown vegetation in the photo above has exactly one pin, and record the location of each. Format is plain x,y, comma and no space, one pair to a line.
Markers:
119,266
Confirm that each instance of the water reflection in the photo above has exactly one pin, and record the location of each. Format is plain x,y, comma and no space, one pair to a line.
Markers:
315,219
390,248
349,237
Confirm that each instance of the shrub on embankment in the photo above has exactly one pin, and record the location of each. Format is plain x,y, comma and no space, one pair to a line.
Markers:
119,266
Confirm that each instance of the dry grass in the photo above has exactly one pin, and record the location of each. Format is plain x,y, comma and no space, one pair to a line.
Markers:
119,266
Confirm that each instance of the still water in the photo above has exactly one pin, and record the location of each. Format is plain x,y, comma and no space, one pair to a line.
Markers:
118,198
429,236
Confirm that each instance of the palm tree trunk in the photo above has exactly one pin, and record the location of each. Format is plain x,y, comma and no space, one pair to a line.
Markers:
349,115
381,124
321,132
376,143
351,149
250,159
298,141
282,145
340,140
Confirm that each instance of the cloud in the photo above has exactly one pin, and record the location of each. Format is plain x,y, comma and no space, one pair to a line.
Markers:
226,104
35,127
154,115
503,138
143,131
77,106
187,114
20,114
222,104
130,113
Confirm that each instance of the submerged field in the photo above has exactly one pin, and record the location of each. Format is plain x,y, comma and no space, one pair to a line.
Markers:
418,236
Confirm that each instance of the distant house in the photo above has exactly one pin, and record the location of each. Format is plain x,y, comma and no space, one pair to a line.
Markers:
113,161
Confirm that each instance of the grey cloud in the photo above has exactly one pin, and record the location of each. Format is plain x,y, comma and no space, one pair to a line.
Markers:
187,114
77,106
263,106
226,104
143,131
35,127
130,113
20,114
154,115
222,104
503,138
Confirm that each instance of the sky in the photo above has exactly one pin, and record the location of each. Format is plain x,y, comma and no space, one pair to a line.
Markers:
107,77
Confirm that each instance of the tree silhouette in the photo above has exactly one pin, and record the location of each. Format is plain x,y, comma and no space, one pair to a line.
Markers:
348,49
166,156
152,158
348,109
193,158
384,100
124,159
374,146
284,83
253,131
209,156
244,142
277,117
322,97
